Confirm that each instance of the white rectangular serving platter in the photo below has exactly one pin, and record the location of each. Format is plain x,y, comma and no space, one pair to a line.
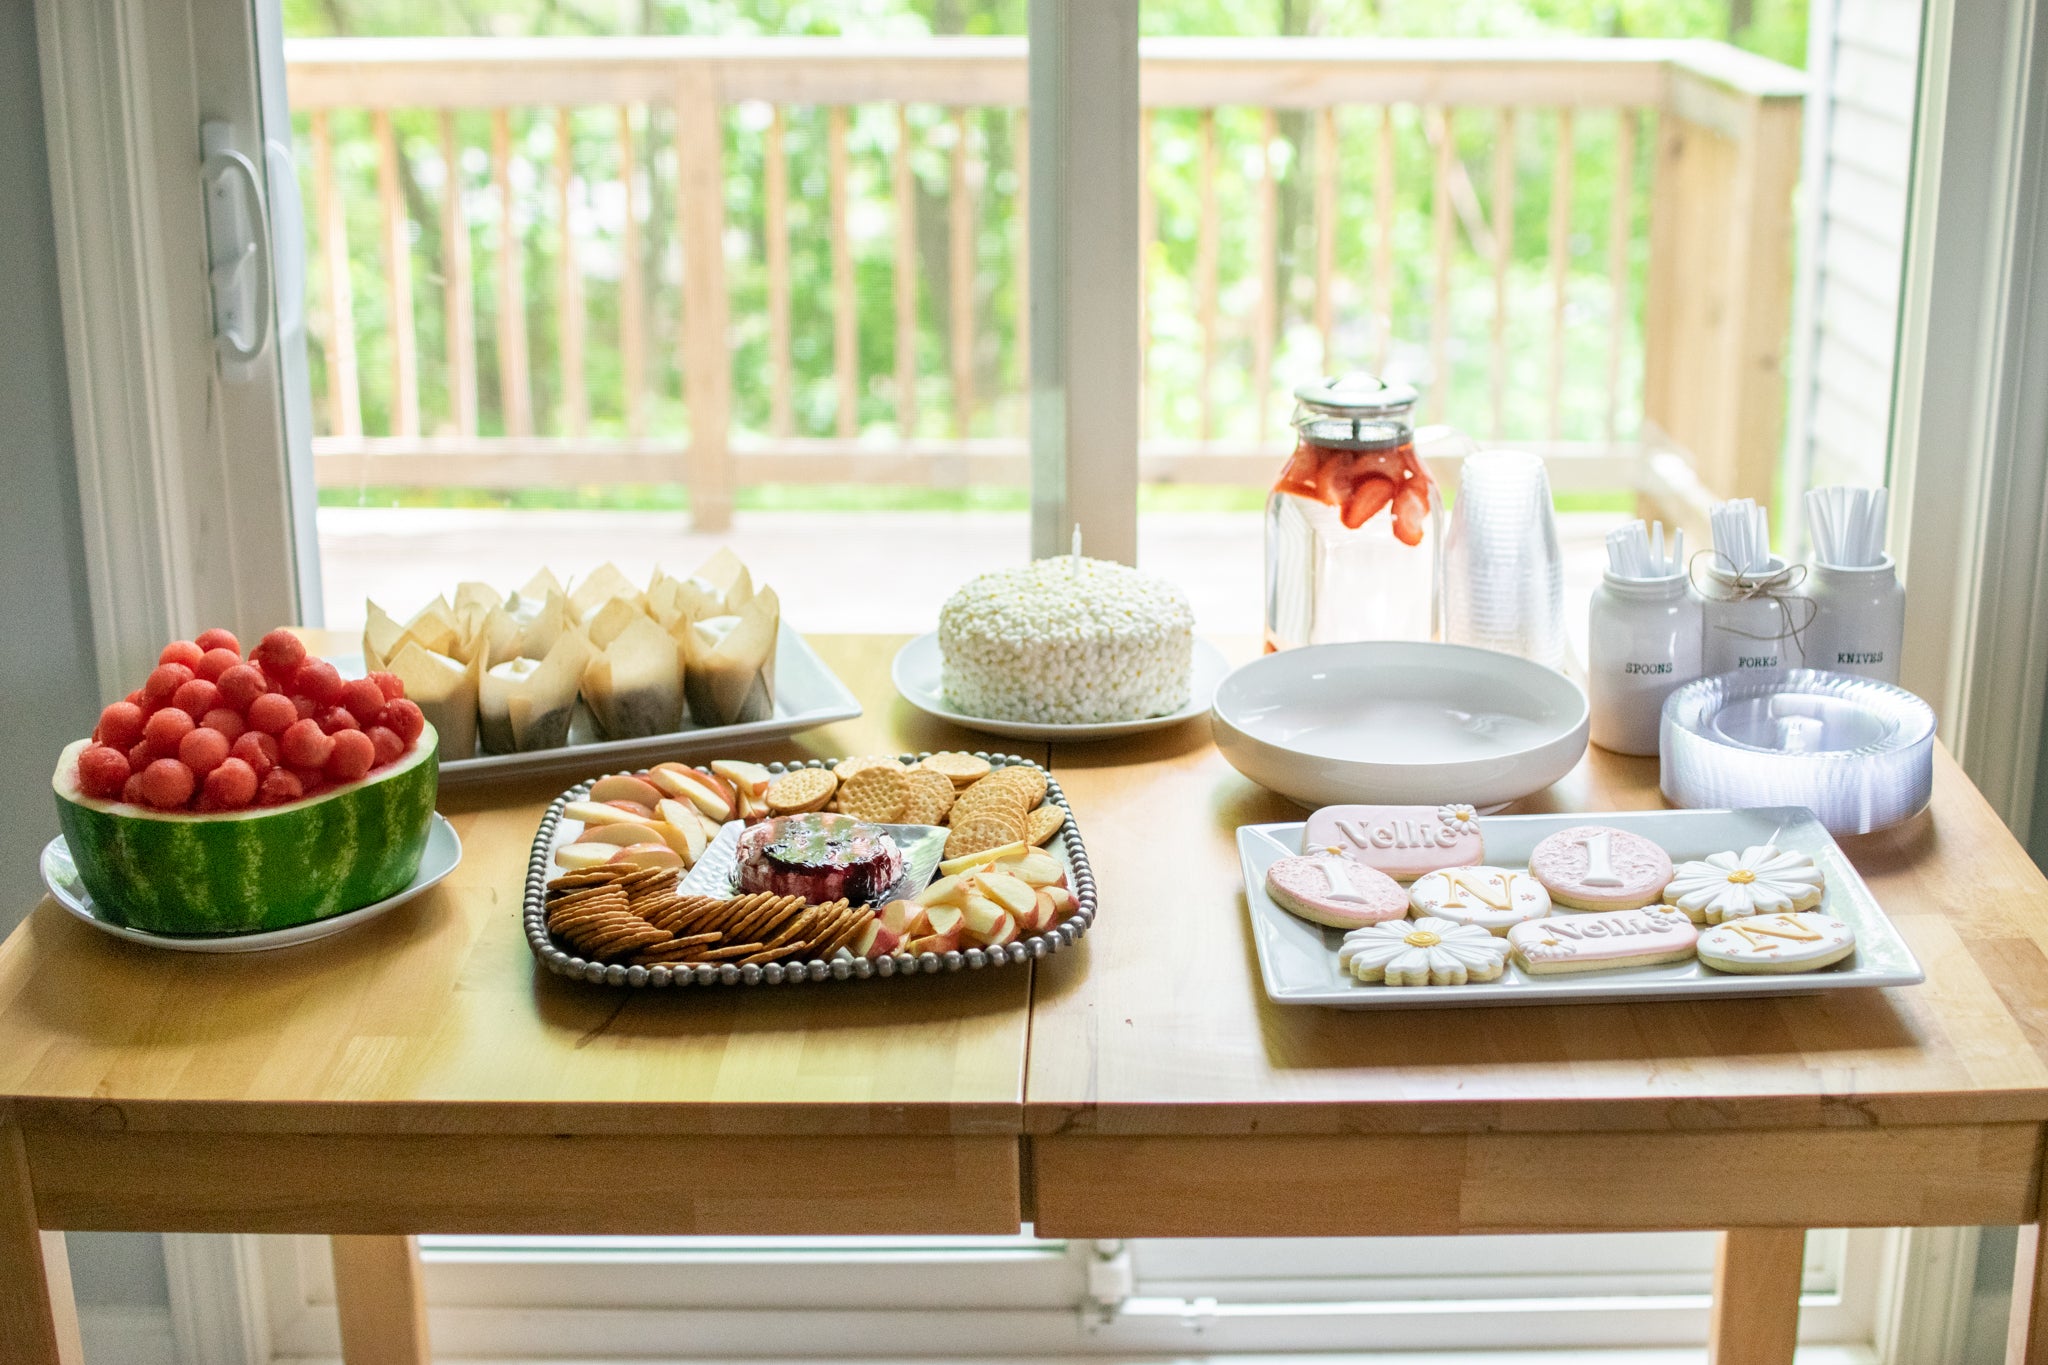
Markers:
1298,960
807,694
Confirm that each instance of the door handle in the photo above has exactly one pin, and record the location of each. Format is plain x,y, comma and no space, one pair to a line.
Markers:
238,246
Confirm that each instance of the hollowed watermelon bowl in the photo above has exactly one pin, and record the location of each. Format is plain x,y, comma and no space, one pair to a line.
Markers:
251,871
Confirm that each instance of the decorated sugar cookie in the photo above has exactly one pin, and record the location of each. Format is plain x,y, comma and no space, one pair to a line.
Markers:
1402,841
1325,887
1598,867
1611,939
1757,881
1423,952
1803,941
1493,898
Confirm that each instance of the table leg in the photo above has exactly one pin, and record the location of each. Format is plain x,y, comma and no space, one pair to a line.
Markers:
1756,1296
2026,1341
383,1307
38,1321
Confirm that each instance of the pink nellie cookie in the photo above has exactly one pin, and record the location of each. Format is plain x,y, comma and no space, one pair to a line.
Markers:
1325,887
1402,841
1598,867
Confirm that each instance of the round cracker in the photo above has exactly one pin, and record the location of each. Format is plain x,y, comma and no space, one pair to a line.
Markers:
800,790
847,767
931,797
980,833
1023,777
877,794
1044,822
958,768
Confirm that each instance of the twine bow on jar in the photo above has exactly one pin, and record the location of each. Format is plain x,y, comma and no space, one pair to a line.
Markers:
1726,583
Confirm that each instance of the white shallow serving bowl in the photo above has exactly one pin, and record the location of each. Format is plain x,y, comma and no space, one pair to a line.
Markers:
1400,723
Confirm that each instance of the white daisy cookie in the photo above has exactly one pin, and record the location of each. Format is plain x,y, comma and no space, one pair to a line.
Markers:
1804,941
1761,880
1423,952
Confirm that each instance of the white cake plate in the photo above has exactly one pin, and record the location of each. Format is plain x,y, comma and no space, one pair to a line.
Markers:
916,675
443,852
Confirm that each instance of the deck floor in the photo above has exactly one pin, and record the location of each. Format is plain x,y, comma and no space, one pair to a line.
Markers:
885,572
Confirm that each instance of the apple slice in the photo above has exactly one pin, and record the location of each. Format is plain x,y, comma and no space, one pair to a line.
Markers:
602,813
648,855
934,943
944,891
621,834
981,915
624,787
906,919
707,793
689,830
633,809
945,920
1063,902
1035,868
576,857
1040,917
971,860
746,779
1006,930
877,940
1012,893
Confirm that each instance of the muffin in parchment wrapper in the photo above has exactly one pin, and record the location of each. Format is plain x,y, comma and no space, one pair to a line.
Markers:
729,662
604,586
633,683
526,704
524,626
445,690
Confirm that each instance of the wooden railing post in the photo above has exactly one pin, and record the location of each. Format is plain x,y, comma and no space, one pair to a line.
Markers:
707,365
1720,281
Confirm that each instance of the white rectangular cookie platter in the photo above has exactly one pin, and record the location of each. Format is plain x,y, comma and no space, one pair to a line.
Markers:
713,875
1298,960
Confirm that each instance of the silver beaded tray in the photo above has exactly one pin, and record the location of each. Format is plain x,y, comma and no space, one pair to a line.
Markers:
1066,846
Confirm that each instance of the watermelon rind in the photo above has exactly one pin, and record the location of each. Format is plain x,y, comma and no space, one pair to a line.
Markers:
251,871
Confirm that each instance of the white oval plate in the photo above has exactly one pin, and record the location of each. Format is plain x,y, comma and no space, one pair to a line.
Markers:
442,853
916,675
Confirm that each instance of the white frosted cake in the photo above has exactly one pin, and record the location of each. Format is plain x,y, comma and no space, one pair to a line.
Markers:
1067,640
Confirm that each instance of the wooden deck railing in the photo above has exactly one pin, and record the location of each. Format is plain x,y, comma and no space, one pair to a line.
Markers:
1647,359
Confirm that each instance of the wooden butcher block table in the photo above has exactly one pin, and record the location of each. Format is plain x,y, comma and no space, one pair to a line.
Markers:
422,1074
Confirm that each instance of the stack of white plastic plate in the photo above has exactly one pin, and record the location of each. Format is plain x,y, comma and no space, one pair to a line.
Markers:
1857,752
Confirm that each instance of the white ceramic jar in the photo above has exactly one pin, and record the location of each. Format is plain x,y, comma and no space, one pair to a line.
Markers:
1859,621
1752,633
1643,643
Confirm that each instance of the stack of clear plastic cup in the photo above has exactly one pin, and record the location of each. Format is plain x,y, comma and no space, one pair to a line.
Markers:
1857,752
1503,575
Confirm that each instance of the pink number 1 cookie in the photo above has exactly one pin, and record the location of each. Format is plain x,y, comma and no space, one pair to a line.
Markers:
1325,887
1598,867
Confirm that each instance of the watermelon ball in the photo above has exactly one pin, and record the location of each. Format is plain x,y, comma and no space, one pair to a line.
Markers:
196,698
353,754
279,785
389,746
120,725
364,699
203,750
184,652
139,755
320,681
103,772
406,720
163,682
131,790
336,719
134,699
167,784
165,731
312,781
280,653
272,713
215,662
231,786
256,749
218,639
389,685
241,685
226,721
306,745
